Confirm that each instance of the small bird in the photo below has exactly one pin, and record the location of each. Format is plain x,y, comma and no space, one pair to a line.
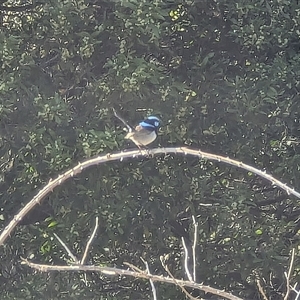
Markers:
144,133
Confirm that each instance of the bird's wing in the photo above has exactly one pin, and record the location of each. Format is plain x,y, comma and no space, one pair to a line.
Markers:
130,129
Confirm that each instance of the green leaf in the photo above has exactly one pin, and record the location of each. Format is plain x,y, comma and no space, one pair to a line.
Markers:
258,232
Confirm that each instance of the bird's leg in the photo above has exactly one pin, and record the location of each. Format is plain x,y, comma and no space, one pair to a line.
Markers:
145,148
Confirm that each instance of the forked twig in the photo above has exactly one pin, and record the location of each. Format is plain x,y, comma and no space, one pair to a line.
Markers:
293,288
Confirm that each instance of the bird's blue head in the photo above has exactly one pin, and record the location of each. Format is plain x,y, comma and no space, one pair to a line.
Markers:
152,123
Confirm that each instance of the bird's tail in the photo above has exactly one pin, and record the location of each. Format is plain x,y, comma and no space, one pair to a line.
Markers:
130,129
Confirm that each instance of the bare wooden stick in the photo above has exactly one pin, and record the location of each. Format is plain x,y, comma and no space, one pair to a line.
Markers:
186,259
133,267
151,281
132,154
195,224
261,290
74,258
88,244
288,275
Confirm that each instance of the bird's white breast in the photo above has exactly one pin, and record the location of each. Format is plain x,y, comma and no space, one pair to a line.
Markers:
142,138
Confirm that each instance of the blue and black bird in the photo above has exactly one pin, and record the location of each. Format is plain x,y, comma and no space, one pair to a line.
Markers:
144,133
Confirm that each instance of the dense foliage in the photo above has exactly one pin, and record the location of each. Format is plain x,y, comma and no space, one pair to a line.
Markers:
223,76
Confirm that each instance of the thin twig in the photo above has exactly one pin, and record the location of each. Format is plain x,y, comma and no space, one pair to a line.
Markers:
176,281
288,275
151,281
261,290
89,242
186,259
136,269
194,246
74,258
